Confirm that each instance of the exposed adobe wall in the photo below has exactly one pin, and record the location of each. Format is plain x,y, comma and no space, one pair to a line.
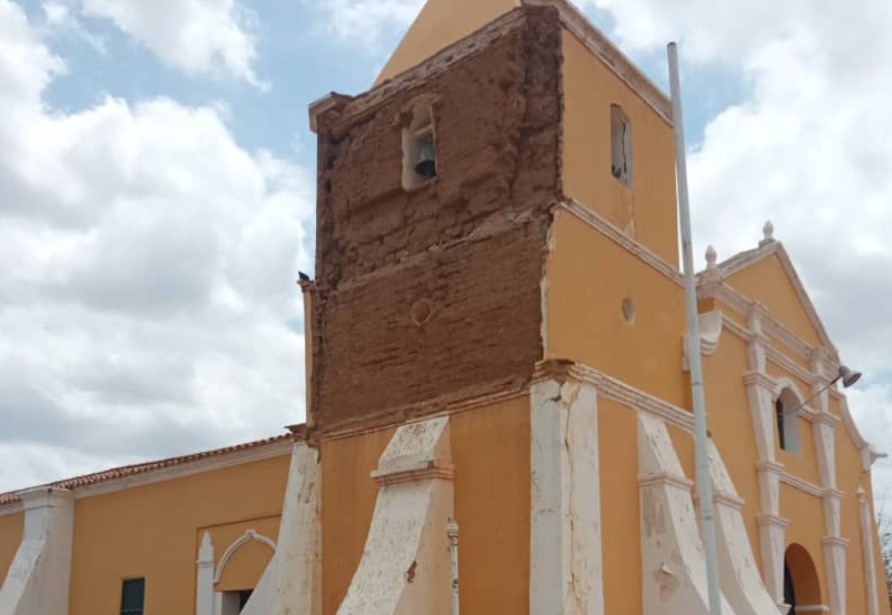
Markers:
472,242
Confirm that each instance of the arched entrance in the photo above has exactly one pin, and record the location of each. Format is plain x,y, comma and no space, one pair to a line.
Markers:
801,585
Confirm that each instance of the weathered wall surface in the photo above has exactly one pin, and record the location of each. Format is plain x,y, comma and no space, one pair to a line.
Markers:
491,453
11,528
153,532
471,242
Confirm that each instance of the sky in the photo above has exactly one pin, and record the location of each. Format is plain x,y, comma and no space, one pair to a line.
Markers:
157,198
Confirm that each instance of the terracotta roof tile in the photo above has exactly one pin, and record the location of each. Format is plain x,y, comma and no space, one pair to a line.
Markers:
143,468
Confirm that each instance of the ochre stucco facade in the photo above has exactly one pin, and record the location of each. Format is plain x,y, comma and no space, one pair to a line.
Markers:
497,351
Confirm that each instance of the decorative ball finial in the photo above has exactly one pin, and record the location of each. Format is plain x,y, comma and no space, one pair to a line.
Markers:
768,231
711,257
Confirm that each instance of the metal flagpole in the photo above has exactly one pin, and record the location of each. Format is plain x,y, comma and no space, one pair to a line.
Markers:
704,482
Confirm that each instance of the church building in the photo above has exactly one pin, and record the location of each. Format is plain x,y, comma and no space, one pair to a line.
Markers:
499,403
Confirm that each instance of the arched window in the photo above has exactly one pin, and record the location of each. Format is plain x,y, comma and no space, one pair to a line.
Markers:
802,589
786,409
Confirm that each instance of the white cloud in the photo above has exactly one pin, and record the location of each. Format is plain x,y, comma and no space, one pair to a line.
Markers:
147,298
366,22
195,36
807,148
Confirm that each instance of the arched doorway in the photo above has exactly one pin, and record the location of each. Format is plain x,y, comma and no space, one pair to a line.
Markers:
801,585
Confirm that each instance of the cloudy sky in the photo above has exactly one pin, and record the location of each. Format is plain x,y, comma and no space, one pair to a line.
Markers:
156,197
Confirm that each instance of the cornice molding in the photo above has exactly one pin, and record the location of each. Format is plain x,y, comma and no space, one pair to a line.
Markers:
835,541
12,508
772,520
759,379
617,390
666,480
801,484
411,472
643,253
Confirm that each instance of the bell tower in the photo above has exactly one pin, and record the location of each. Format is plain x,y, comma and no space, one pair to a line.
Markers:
496,239
434,198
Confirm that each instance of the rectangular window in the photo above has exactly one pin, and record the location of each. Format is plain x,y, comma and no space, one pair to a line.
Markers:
133,596
781,424
620,145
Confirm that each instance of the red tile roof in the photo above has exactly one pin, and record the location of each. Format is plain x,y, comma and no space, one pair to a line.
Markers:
143,468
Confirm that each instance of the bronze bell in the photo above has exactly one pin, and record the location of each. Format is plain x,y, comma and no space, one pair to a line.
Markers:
427,160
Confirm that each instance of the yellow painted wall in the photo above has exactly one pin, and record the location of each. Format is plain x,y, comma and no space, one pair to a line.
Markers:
441,23
731,425
768,283
806,528
588,277
11,528
152,532
491,453
647,209
620,535
348,502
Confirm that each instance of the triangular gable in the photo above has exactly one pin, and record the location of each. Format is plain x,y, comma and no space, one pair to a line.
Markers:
440,24
767,275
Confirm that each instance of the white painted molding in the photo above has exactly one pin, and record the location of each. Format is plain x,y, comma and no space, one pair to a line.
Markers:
710,334
802,485
615,234
38,578
835,566
239,542
617,390
566,573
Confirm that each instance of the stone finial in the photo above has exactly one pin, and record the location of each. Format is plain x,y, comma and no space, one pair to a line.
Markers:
768,232
711,257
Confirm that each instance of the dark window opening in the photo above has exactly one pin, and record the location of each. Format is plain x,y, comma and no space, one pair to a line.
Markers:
781,424
419,148
133,596
620,145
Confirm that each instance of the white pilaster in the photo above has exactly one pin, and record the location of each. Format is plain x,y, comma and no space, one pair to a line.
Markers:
760,393
565,543
38,578
823,427
204,584
835,562
865,516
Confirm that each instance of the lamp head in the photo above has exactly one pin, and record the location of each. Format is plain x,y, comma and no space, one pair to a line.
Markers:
848,376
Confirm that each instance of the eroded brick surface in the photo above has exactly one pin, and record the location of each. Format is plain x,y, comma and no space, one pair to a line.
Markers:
472,243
